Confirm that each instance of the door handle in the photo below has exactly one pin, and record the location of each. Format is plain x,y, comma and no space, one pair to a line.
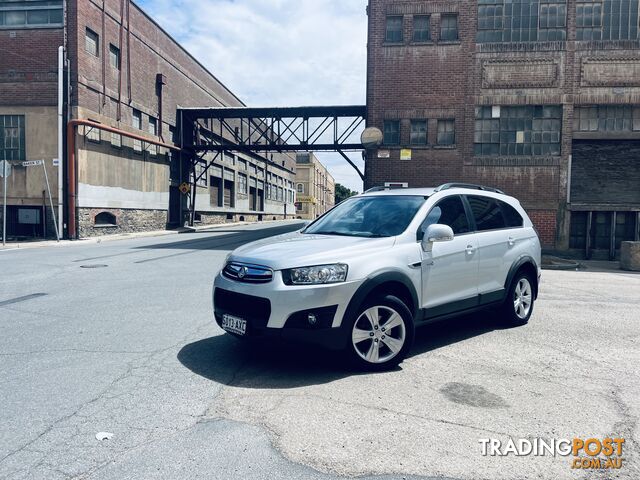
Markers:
470,249
512,241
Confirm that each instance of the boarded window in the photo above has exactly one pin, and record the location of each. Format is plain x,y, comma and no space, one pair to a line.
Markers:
92,42
114,56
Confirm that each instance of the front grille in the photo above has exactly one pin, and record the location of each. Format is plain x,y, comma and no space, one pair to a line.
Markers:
246,273
256,310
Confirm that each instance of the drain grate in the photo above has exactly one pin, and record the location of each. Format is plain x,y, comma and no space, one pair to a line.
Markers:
96,265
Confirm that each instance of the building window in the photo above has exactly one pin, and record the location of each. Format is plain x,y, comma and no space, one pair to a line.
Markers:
242,183
418,132
136,116
92,42
449,27
607,20
92,134
395,29
114,56
392,132
607,118
153,130
105,219
521,20
12,137
422,28
300,188
30,14
446,132
116,140
522,130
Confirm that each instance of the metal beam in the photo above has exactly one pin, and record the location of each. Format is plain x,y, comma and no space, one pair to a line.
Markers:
282,112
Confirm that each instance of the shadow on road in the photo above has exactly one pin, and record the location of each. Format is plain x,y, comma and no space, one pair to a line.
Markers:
278,365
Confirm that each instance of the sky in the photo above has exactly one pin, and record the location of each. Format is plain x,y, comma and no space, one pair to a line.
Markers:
278,53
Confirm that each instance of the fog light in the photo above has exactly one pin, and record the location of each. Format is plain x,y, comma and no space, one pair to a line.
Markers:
311,318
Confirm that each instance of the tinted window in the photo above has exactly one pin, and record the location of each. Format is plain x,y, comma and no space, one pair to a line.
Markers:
486,212
372,216
511,216
449,211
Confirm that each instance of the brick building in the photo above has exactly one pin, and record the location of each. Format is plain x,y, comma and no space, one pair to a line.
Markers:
127,74
315,187
540,98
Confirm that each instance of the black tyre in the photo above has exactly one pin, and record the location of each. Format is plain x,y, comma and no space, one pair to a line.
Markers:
518,305
380,334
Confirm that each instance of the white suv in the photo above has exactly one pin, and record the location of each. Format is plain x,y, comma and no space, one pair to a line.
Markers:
363,276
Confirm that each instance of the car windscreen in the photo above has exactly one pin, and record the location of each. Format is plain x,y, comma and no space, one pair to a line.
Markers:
370,216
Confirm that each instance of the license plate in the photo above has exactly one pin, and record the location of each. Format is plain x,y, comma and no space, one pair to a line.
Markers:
234,324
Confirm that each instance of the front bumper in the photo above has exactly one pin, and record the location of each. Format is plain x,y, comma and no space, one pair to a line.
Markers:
277,310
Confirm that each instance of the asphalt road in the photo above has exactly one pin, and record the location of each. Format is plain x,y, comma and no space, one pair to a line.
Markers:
129,347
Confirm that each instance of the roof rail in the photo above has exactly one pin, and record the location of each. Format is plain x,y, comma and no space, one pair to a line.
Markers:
381,188
469,186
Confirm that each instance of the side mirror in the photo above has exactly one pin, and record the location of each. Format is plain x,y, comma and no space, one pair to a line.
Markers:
436,233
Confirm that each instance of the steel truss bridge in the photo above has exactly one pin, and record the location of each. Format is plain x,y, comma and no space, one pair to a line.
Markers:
207,133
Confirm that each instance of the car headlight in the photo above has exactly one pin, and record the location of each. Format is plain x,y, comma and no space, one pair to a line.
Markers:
316,275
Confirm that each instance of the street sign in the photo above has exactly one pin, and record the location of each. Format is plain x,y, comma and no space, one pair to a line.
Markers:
56,162
33,163
5,165
184,188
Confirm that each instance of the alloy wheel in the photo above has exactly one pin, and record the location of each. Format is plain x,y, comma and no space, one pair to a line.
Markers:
379,334
522,298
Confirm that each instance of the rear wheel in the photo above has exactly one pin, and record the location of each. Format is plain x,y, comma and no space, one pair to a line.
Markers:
518,306
381,333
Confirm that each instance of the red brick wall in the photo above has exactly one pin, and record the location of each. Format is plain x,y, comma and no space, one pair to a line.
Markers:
545,222
448,80
29,66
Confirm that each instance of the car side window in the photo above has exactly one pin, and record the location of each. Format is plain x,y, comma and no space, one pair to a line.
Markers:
511,216
487,213
449,211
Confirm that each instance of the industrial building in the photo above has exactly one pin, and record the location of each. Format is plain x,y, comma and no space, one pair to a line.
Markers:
540,98
105,108
315,187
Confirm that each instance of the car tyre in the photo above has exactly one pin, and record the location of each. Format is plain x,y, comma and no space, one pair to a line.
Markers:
381,334
518,305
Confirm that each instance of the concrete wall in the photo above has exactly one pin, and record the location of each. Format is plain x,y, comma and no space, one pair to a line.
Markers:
25,185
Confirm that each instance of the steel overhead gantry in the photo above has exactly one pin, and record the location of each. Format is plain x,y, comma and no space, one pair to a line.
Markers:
262,130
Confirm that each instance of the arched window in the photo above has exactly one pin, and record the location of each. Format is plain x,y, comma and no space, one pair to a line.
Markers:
300,188
105,219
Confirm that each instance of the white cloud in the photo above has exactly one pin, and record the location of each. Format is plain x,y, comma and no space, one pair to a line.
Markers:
278,52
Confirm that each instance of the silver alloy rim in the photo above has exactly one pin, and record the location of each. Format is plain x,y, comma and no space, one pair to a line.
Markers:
522,298
379,334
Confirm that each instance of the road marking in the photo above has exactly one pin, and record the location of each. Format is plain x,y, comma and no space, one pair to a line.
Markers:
21,299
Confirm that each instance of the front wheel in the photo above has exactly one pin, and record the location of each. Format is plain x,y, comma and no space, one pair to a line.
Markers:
518,306
381,334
